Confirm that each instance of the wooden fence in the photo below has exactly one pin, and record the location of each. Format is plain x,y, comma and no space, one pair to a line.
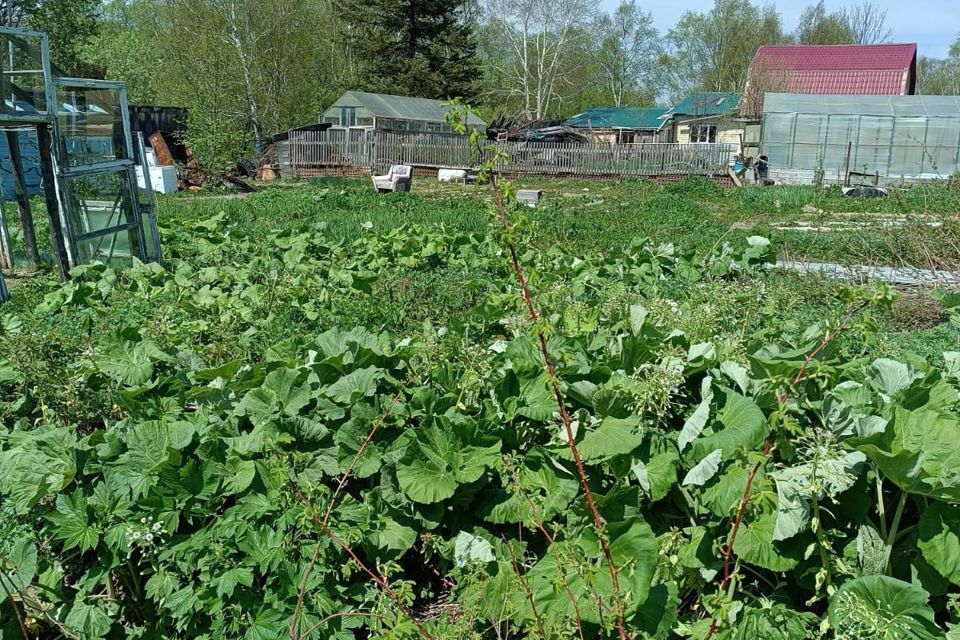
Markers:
312,152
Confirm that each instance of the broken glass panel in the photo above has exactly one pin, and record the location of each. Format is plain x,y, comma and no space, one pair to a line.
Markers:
22,79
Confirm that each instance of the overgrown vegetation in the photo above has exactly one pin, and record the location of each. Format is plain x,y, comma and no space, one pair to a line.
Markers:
330,418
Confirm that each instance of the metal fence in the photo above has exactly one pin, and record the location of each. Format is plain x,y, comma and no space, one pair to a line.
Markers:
312,151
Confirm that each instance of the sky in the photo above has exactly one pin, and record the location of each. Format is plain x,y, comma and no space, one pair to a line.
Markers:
932,24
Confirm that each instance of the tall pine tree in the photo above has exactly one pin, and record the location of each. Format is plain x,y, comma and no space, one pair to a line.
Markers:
422,48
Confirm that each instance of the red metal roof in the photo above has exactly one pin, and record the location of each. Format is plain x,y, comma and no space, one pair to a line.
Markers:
852,69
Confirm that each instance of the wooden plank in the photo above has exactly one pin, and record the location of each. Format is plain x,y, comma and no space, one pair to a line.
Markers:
45,143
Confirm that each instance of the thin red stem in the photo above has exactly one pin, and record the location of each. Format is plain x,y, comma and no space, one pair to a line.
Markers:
564,415
374,426
378,578
782,398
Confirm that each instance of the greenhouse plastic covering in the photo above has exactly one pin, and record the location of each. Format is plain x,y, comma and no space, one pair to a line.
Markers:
404,108
895,136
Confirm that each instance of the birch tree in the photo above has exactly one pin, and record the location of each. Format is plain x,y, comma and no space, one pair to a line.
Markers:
531,50
629,53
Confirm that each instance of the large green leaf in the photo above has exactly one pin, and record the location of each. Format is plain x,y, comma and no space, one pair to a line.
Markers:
740,424
440,458
128,358
771,621
883,608
938,536
612,437
354,386
20,566
89,620
72,523
701,473
36,464
919,452
470,548
694,425
830,474
755,544
291,393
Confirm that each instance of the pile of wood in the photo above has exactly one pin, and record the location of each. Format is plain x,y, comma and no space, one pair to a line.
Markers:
543,130
189,176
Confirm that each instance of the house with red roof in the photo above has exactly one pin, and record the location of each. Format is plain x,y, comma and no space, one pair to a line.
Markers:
841,69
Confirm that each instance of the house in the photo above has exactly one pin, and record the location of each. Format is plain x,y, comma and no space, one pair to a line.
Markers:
704,117
620,125
382,112
844,69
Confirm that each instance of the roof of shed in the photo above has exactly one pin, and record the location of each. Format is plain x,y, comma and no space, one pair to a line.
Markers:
709,103
383,105
853,69
618,118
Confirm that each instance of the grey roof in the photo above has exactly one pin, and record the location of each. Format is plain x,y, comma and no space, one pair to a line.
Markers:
386,106
862,105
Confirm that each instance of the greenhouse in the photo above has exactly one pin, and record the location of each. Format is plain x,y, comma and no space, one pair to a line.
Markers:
895,137
70,139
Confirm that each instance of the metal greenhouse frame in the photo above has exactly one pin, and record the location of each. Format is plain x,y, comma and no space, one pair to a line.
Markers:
88,159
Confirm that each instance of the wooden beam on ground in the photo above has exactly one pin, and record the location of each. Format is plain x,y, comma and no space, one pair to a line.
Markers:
45,139
23,200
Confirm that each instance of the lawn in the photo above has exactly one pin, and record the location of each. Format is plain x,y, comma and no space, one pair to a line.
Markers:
329,416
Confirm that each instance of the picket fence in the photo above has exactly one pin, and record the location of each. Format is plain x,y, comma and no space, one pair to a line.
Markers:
312,152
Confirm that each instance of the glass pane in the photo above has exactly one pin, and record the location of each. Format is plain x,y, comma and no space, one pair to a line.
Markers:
91,123
113,248
102,202
22,81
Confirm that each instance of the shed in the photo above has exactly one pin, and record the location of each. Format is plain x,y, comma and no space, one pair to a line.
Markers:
383,112
898,137
620,125
705,117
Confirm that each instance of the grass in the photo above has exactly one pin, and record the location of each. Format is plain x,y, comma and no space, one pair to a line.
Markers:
587,217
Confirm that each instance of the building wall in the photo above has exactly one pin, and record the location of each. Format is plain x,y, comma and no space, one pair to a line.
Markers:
614,136
728,131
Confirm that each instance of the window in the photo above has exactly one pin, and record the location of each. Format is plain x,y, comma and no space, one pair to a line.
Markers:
364,122
703,133
348,116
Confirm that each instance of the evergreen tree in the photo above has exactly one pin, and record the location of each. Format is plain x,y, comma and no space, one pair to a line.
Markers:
422,48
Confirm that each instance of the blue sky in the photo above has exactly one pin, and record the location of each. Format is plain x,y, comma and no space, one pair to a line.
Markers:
932,24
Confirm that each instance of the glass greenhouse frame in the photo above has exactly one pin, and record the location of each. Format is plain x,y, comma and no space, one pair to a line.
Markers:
88,153
907,137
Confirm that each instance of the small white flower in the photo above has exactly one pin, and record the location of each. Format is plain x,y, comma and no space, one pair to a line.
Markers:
143,521
157,526
149,537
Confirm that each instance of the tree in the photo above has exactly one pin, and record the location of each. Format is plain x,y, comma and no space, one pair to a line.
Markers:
629,53
816,26
867,23
423,48
940,77
861,24
712,51
536,52
69,24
